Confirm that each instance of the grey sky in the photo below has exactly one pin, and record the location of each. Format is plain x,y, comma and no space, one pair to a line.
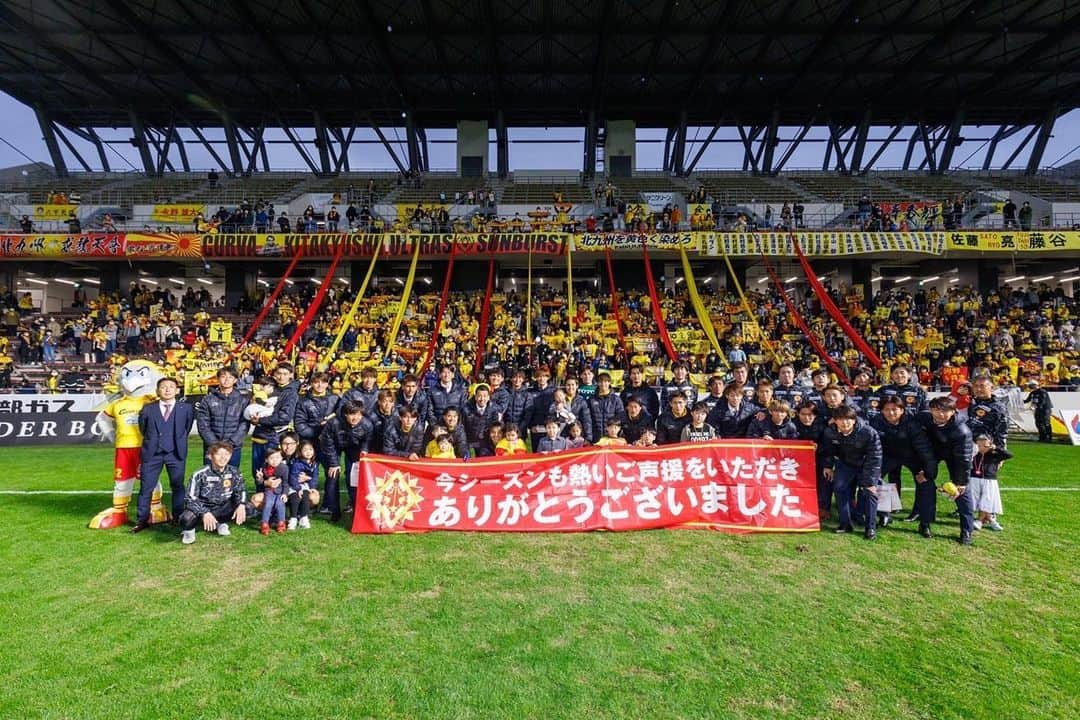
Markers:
20,141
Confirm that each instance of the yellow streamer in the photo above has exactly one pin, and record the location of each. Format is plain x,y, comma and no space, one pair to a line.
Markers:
392,338
699,307
347,321
571,309
749,311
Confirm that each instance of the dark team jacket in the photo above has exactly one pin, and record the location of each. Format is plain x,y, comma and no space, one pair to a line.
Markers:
287,399
815,433
988,416
439,399
399,443
792,394
760,428
913,397
500,398
668,390
730,424
518,410
650,402
580,407
211,490
358,394
633,427
541,404
220,417
379,423
603,408
952,443
868,402
905,443
669,428
311,414
419,403
337,438
477,421
861,449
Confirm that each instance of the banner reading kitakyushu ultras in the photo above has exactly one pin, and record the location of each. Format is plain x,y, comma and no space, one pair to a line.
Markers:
729,485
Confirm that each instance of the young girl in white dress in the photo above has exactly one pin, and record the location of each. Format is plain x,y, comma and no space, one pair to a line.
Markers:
985,493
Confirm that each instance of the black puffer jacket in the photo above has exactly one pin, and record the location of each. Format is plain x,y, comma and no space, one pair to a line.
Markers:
287,399
338,437
439,398
905,443
669,428
633,427
860,449
221,417
603,408
518,410
731,424
399,443
952,443
311,414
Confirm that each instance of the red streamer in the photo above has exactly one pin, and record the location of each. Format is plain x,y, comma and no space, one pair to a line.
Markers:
614,298
268,304
443,298
833,311
313,308
818,348
657,311
485,313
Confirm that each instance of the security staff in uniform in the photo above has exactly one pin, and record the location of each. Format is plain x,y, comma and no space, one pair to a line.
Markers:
1039,400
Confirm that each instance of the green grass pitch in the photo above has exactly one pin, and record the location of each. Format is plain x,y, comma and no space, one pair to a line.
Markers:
324,624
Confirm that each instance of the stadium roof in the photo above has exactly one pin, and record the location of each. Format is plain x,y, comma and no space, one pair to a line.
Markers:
89,63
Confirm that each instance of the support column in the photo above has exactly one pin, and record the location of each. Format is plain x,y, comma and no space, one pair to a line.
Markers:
8,279
357,270
989,276
771,141
679,159
502,147
231,139
48,133
861,272
240,280
588,163
862,134
952,141
740,267
139,141
322,142
1041,141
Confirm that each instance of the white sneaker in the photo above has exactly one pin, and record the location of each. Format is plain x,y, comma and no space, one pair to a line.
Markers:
305,523
187,537
223,529
977,524
292,523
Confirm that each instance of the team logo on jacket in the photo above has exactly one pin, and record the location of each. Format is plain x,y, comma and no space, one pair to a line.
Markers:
393,499
980,412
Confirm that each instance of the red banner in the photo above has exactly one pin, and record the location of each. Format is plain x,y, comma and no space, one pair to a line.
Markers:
729,485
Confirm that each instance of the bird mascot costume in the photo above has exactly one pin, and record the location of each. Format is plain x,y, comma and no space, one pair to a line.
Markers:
119,423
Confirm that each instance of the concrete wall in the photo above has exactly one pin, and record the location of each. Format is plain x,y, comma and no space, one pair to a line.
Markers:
472,140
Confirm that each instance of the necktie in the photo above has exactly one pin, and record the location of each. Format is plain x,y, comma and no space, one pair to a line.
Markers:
168,412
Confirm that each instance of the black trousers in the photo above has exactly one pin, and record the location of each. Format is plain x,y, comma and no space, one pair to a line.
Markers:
223,513
299,504
149,473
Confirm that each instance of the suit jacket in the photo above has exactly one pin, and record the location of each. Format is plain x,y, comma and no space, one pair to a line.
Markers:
152,425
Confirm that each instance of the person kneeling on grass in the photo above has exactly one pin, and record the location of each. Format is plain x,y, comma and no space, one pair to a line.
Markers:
215,496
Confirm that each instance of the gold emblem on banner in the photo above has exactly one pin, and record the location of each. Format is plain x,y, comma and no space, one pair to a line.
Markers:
393,499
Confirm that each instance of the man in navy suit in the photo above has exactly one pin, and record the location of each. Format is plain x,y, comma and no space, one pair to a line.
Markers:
165,425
